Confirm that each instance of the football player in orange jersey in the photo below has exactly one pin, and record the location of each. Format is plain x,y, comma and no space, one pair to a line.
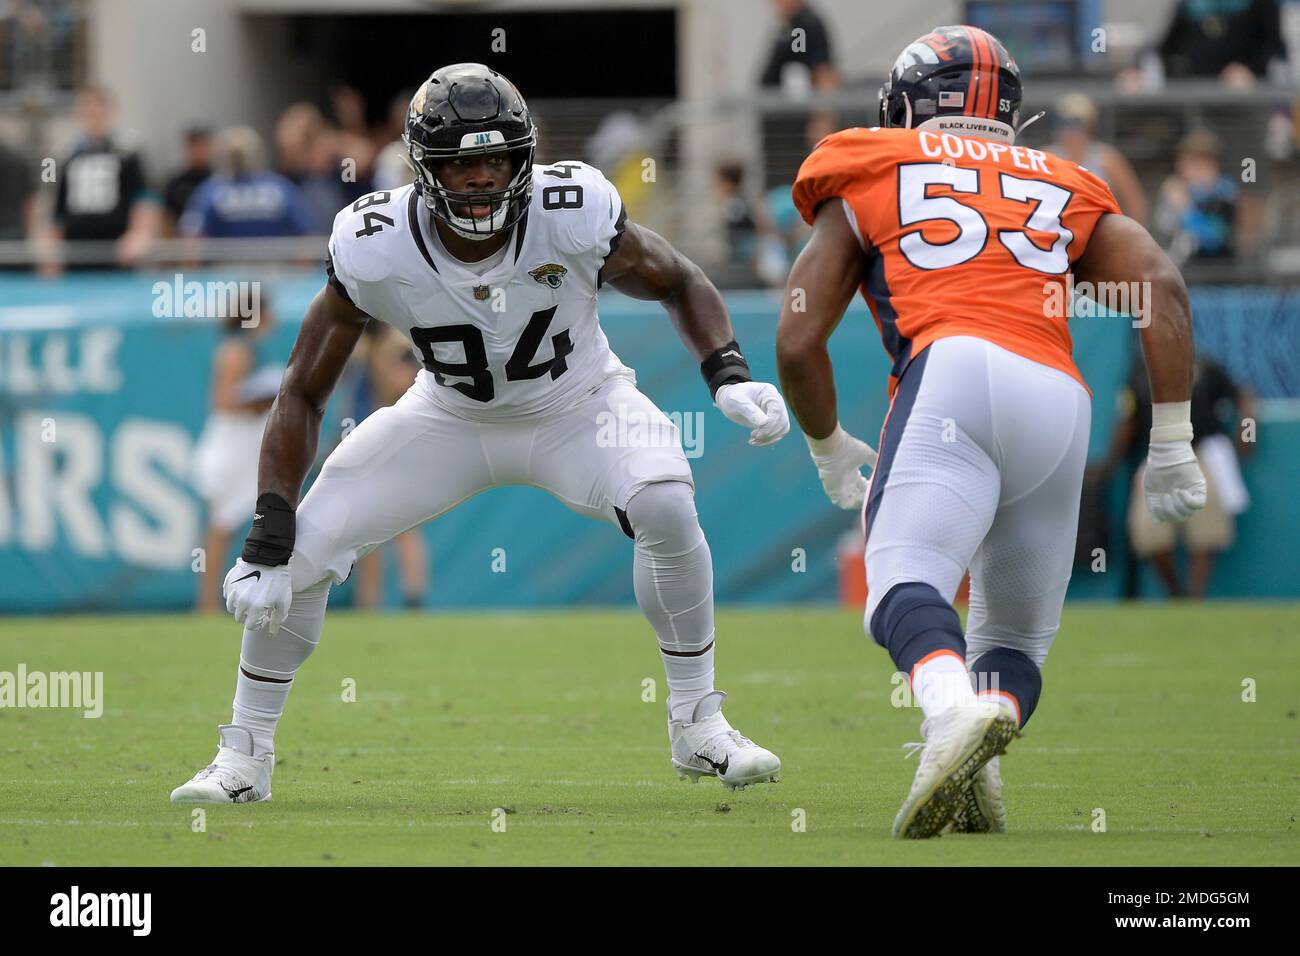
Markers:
962,244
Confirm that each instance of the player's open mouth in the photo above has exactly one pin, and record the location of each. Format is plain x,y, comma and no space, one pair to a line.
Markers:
474,210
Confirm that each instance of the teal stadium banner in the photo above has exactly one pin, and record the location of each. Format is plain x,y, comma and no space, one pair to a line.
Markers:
102,400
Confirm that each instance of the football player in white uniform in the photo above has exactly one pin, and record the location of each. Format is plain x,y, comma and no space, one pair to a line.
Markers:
491,265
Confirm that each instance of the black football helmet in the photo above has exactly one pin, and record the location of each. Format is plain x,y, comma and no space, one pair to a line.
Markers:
468,109
955,79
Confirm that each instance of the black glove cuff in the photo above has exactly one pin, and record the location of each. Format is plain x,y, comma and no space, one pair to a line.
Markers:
270,543
724,366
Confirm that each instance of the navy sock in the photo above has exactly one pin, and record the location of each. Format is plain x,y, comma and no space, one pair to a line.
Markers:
913,621
1008,671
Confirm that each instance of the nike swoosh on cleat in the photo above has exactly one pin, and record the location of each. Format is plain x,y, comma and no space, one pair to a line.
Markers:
255,575
235,794
719,767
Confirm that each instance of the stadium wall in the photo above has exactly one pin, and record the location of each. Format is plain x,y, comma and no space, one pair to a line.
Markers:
101,403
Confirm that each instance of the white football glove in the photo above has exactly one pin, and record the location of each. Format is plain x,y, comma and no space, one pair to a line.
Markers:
258,596
839,458
1173,483
757,406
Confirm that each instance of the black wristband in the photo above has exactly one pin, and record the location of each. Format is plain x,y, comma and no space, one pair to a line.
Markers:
723,366
270,543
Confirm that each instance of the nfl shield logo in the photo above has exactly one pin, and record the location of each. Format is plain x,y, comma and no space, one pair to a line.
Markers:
480,292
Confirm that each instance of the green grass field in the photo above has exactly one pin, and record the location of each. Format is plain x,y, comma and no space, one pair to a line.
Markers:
542,714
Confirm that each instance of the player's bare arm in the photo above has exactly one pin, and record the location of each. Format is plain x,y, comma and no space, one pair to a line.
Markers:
258,589
328,335
1122,251
646,266
821,284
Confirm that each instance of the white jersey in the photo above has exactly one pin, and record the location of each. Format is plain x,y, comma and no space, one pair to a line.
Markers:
520,339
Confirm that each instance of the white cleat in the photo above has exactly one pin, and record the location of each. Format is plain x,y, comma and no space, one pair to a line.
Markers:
708,746
234,776
958,744
981,809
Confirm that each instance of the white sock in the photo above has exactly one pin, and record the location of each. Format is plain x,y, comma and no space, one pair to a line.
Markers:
1000,698
689,679
258,707
259,704
941,681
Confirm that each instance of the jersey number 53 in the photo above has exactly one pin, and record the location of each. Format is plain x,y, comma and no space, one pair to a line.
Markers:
1045,201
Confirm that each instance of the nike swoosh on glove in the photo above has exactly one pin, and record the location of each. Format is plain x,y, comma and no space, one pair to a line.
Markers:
258,596
1173,483
839,458
757,406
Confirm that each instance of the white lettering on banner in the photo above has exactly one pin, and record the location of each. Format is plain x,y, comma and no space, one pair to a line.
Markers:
153,521
138,445
50,368
55,479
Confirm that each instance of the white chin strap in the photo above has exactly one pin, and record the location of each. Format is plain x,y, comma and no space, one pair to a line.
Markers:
971,126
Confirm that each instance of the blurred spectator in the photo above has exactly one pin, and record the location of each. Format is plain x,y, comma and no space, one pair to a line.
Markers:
245,380
752,241
800,57
243,199
331,166
392,170
197,168
1076,128
1231,39
737,214
298,150
791,231
17,193
619,148
386,368
38,43
799,61
1200,212
353,147
101,191
1215,400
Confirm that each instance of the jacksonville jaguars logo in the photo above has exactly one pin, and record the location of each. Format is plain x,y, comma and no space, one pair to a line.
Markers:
551,274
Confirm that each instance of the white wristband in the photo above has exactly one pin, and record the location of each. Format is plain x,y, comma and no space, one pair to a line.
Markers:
1171,421
825,447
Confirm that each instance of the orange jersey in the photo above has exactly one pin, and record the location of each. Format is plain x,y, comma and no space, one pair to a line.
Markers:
964,236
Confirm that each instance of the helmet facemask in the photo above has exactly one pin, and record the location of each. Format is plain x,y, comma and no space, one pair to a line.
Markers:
506,206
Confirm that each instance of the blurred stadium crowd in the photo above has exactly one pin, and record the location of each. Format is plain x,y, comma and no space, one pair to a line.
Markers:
1169,131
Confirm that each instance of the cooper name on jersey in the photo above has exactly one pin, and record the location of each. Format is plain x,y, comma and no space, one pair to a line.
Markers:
519,338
